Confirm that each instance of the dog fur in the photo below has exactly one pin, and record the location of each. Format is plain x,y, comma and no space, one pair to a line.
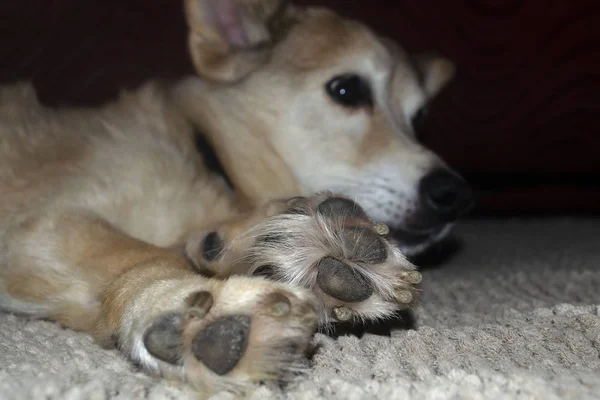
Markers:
111,224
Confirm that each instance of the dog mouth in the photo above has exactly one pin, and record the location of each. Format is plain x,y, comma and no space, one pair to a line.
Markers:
413,242
409,238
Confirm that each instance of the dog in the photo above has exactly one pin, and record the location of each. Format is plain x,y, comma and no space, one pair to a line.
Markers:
111,224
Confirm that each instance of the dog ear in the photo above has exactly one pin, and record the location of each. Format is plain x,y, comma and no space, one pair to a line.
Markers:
228,39
435,71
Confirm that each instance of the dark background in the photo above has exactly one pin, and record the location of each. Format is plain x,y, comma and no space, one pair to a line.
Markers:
521,120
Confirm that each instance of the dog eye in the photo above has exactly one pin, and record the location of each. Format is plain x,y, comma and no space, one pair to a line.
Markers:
418,120
350,90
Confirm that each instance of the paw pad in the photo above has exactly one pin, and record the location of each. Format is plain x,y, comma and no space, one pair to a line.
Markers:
364,245
163,339
221,345
342,282
336,207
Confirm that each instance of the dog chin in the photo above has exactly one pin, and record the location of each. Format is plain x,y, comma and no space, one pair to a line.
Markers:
415,243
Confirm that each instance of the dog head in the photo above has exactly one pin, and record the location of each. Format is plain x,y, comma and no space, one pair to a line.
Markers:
297,101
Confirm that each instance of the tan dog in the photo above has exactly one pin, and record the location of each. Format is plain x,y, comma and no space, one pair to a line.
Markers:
108,215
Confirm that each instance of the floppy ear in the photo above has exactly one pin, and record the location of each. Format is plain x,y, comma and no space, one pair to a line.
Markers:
435,71
228,39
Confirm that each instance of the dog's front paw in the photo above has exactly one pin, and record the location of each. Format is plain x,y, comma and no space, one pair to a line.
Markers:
227,335
325,243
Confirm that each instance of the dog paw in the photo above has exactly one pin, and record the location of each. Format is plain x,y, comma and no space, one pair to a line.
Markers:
324,243
232,333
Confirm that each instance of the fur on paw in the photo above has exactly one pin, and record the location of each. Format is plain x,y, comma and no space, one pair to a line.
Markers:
233,333
326,243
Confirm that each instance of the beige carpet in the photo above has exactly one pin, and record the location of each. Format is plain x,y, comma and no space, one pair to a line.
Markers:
514,315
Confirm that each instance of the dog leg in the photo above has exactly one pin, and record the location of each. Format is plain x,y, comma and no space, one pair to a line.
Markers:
325,243
163,315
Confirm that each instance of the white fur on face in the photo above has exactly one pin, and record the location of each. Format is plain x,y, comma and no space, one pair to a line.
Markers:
321,141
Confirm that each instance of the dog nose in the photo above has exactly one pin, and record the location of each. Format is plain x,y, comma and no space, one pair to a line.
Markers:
446,194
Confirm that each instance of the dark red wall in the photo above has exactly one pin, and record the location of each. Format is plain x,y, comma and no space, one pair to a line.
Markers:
521,120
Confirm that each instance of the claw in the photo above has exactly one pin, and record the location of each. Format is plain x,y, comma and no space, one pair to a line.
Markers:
404,297
280,305
381,229
194,313
413,277
342,313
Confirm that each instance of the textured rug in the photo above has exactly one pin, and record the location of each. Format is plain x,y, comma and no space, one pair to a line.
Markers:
514,314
